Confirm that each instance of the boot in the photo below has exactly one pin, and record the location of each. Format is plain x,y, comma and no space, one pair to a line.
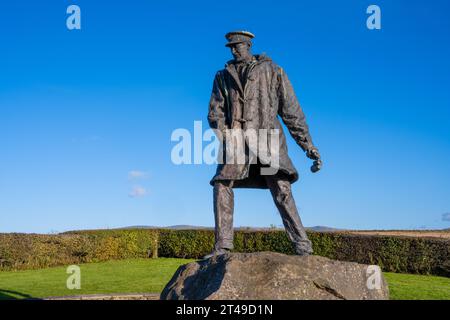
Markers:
217,252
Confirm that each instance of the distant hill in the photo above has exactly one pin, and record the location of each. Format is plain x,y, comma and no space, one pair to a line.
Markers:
176,227
323,229
439,233
189,227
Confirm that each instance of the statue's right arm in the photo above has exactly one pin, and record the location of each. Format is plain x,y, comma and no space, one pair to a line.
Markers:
216,114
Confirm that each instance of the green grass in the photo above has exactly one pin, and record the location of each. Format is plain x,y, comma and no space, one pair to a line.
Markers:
151,275
417,287
124,276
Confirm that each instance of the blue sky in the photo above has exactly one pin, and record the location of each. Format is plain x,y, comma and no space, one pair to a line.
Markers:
81,109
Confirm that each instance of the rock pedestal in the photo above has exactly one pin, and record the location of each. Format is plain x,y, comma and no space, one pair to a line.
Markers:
269,275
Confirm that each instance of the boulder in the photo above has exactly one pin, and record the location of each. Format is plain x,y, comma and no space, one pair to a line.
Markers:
275,276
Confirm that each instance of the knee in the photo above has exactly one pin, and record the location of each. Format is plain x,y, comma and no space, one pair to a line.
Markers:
284,192
221,187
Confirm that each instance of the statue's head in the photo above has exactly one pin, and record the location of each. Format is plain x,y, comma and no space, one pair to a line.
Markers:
240,44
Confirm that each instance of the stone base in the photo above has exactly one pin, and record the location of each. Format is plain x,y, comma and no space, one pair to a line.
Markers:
275,276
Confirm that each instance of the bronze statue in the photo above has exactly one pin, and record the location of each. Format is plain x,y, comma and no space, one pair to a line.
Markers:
250,93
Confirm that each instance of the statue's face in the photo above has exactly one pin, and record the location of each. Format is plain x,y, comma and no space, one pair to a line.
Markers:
240,51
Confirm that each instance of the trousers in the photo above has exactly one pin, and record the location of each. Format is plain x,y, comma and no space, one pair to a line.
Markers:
282,195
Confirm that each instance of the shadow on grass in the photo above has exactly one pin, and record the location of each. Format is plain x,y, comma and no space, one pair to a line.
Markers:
13,295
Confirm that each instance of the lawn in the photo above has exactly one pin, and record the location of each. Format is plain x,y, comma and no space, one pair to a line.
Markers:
151,275
417,287
122,276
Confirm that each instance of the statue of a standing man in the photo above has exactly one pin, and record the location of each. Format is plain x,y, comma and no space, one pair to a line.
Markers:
250,93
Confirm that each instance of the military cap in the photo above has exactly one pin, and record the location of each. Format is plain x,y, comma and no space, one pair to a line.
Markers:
238,37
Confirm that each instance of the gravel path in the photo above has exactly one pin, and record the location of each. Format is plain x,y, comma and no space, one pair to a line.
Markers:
115,296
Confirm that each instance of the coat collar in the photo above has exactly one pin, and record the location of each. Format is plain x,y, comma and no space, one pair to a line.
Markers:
230,66
258,58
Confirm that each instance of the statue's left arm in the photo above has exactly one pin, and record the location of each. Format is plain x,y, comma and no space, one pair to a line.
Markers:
292,115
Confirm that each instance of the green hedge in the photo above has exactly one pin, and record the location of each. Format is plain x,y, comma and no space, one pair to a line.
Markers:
34,251
397,254
393,254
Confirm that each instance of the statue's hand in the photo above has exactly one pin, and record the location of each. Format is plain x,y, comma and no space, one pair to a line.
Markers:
313,153
317,165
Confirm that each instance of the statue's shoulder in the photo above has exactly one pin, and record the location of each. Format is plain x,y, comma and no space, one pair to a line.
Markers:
225,67
220,74
263,59
220,78
267,62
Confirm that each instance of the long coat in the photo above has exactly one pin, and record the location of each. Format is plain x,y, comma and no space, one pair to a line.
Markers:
266,94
